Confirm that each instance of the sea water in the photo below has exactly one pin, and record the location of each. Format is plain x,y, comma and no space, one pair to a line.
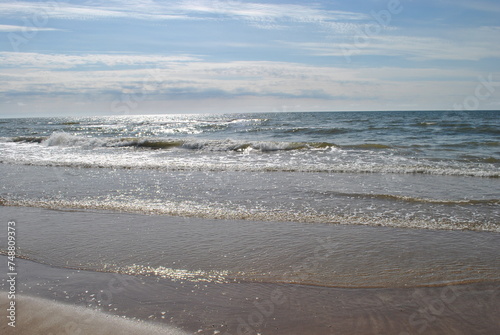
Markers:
363,200
435,170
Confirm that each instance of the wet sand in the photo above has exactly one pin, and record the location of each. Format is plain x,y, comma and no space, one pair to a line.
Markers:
41,316
290,277
239,307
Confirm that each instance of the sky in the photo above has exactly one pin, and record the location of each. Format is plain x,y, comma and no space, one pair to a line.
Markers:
115,57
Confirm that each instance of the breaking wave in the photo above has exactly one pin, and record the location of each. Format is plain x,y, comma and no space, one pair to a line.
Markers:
236,155
67,140
190,209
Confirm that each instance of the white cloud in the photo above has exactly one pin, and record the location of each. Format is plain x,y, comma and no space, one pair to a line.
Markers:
262,15
65,61
236,86
9,28
188,78
42,11
470,45
265,11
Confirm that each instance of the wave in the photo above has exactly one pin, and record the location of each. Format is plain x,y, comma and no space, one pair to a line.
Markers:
218,155
69,140
189,209
227,277
475,159
28,139
219,167
368,146
479,130
66,139
317,131
270,167
425,124
403,198
465,128
244,121
473,144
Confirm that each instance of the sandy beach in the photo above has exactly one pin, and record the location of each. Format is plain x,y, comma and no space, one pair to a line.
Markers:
87,301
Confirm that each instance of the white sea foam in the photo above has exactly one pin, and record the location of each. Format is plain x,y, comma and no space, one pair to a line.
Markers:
190,209
65,139
63,149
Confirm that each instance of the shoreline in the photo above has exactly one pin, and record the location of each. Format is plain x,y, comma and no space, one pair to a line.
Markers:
252,308
277,282
324,255
177,274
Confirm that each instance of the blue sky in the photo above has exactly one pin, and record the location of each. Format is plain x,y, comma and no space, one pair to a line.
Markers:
194,56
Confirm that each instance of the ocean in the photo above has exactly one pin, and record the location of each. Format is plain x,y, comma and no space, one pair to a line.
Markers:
337,200
435,170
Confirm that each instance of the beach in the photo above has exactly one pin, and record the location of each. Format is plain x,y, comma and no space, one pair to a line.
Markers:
210,301
273,223
243,308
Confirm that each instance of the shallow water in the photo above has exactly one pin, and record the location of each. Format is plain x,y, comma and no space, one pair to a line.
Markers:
203,250
209,308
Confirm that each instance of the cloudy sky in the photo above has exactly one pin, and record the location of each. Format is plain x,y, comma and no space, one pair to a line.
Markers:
103,57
